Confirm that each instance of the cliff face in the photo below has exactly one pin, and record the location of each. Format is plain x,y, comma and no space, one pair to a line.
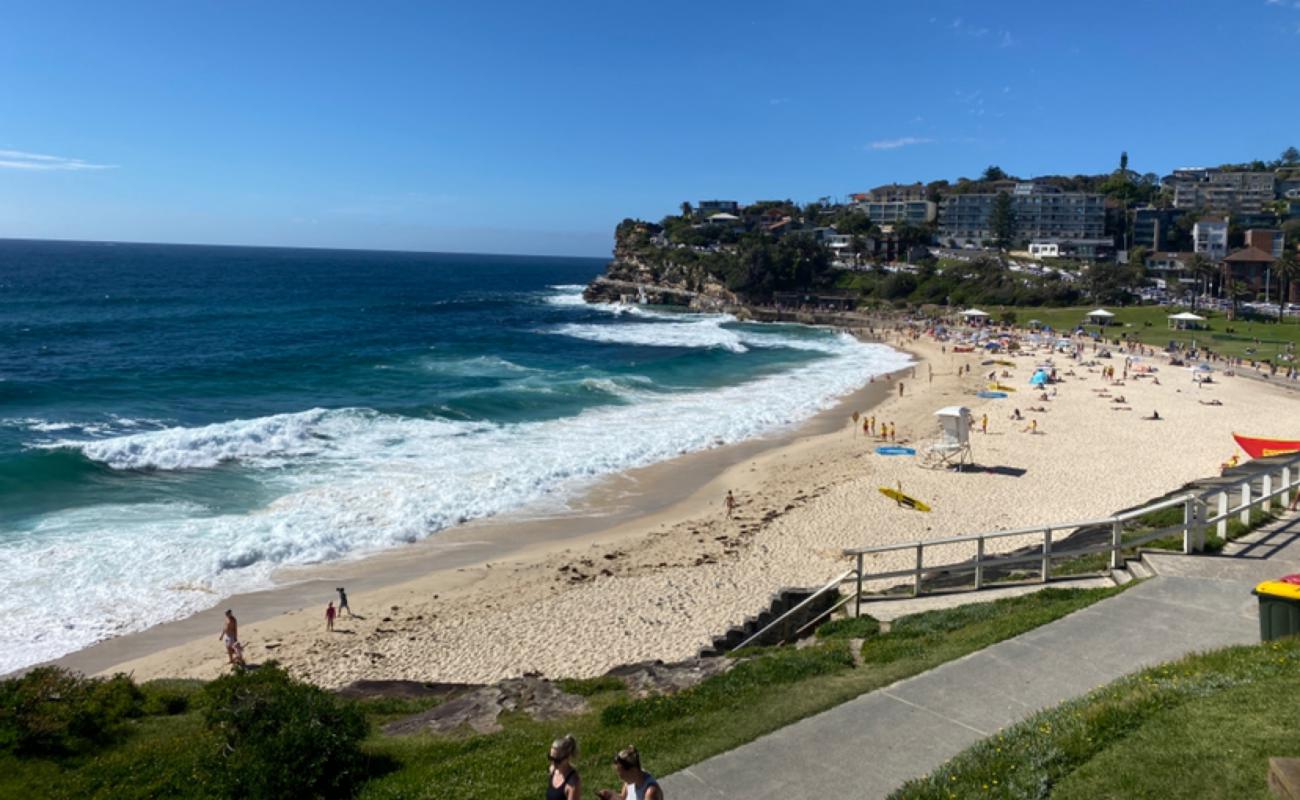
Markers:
643,272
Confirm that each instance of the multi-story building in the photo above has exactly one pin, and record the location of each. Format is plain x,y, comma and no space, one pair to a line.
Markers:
1222,192
1042,212
1210,237
894,193
1153,227
1250,265
891,212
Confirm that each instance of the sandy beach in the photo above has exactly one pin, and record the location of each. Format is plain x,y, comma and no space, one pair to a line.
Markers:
649,566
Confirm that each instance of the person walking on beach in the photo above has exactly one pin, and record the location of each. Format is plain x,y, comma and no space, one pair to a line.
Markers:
900,388
730,502
329,616
866,427
343,602
984,424
230,638
564,782
637,783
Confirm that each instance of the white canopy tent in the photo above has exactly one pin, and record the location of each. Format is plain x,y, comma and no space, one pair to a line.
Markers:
1099,316
1186,320
974,316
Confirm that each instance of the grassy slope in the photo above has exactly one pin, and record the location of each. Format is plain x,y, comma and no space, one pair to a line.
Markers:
1149,324
771,689
1201,727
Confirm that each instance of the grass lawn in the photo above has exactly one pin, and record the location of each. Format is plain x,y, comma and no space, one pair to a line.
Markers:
1201,727
1149,324
769,689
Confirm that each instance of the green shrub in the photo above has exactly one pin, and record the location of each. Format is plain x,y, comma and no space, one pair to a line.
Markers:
282,738
863,627
168,697
52,711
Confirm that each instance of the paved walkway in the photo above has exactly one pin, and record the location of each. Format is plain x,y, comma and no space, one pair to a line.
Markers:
869,746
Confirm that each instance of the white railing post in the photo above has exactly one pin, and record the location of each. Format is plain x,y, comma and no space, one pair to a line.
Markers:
1245,502
916,587
1267,488
857,604
1286,486
1222,528
979,563
1047,555
1194,533
1116,538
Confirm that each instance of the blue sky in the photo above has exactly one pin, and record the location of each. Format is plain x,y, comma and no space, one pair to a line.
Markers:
536,127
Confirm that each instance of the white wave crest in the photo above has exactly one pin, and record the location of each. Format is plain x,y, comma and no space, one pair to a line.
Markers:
703,332
361,481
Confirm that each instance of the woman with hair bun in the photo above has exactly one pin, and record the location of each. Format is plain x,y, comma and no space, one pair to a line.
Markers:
563,782
637,783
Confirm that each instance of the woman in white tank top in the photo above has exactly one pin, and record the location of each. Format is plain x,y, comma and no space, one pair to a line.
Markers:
637,783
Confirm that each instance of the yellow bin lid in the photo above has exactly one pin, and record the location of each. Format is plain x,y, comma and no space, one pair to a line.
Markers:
1288,591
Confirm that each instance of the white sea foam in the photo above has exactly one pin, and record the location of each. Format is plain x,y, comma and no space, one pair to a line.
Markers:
702,332
363,481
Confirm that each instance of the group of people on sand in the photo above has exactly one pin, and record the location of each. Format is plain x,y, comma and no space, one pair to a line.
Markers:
564,783
230,628
885,431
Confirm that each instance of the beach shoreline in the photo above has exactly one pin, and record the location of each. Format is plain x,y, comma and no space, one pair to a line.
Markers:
662,585
615,509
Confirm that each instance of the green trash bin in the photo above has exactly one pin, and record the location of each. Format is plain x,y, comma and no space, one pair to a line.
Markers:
1279,608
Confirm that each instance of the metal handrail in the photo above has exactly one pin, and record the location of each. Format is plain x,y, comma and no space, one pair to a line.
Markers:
835,584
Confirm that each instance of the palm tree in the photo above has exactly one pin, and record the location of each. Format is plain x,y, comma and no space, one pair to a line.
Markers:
686,210
1202,269
1288,270
1237,292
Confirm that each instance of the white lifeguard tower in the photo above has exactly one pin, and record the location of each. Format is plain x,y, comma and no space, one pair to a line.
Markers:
952,449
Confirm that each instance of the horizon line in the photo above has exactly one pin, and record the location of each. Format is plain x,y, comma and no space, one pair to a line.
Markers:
298,247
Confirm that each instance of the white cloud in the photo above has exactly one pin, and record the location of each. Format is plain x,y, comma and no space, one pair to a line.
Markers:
894,144
18,159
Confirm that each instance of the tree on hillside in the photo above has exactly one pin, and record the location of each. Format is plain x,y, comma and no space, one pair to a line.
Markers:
1287,269
1123,161
1202,270
1291,157
993,173
687,212
1002,220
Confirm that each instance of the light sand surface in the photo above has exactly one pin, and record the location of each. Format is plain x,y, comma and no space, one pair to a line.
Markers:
663,584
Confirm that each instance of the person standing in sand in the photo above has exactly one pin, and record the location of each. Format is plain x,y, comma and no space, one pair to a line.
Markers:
230,638
984,424
900,388
343,602
730,503
329,616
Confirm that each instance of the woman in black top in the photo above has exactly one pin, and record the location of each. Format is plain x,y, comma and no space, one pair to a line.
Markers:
563,782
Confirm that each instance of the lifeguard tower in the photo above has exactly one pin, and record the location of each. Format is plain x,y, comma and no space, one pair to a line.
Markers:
952,448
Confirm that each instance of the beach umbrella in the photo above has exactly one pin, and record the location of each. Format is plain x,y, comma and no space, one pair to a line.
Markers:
1039,378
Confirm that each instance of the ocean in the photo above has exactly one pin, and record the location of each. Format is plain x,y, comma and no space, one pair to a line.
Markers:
177,422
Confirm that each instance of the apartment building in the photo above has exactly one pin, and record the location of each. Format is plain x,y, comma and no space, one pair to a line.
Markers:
1153,227
708,208
1210,237
893,193
1222,192
1042,212
892,212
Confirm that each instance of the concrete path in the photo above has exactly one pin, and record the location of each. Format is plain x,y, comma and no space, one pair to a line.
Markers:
869,746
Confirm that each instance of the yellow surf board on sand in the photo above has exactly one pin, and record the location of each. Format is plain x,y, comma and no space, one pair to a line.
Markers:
903,499
997,387
1001,363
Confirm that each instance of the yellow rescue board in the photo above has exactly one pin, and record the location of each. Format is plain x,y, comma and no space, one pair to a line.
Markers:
997,387
903,499
1002,363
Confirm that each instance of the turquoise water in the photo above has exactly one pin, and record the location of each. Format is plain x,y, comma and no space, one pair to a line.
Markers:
177,422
